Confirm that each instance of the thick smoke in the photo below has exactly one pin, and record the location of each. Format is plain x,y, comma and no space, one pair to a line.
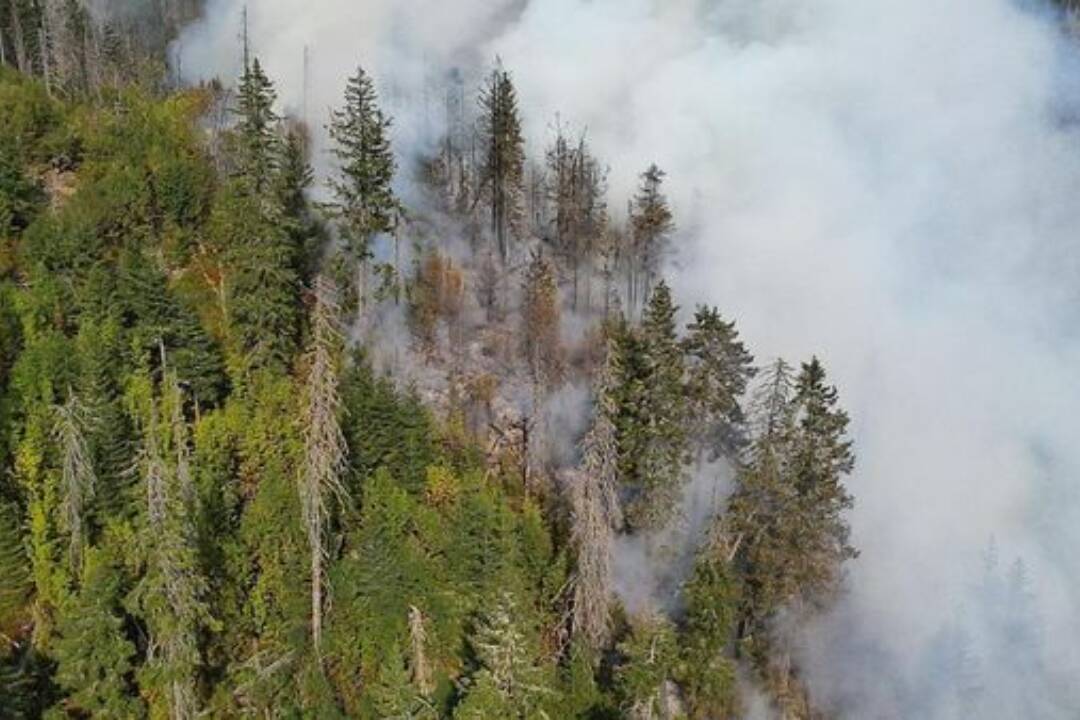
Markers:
891,185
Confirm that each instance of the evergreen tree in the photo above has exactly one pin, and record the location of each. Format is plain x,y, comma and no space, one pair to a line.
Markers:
508,676
658,434
94,658
294,179
171,596
822,458
325,448
15,580
719,368
503,171
706,672
643,675
257,138
364,204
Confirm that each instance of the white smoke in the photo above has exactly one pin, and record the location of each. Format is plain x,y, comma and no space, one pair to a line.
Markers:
891,185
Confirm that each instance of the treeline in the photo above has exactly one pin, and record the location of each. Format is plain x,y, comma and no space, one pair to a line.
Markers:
215,504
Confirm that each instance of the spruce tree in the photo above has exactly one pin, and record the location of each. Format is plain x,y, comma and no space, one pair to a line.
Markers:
647,658
660,426
94,657
364,200
822,458
719,368
503,170
257,138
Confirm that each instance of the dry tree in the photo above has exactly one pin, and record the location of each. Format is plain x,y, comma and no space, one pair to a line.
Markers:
324,443
596,514
77,473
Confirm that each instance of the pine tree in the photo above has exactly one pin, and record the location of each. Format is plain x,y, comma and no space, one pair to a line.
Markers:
596,512
719,369
94,658
503,172
364,204
651,227
324,443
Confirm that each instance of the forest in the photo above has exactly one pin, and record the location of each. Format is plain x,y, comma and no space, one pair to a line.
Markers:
276,442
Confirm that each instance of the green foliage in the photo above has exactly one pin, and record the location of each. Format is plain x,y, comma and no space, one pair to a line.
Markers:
647,659
705,670
385,428
652,420
94,658
365,204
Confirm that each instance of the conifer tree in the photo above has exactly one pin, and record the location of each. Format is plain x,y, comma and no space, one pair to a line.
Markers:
364,203
15,581
596,512
78,479
503,172
258,141
94,658
541,343
658,433
294,178
719,368
651,227
705,671
324,443
509,677
822,458
172,595
647,658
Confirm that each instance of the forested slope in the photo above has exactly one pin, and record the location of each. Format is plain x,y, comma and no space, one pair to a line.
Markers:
263,455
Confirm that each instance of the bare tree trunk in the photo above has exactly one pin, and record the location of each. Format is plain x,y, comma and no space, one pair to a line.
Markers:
18,39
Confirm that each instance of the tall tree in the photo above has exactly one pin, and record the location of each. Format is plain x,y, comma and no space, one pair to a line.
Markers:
596,512
657,433
172,595
258,140
503,172
651,224
364,204
324,443
719,368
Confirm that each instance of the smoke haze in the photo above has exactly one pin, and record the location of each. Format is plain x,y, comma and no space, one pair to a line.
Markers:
891,185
